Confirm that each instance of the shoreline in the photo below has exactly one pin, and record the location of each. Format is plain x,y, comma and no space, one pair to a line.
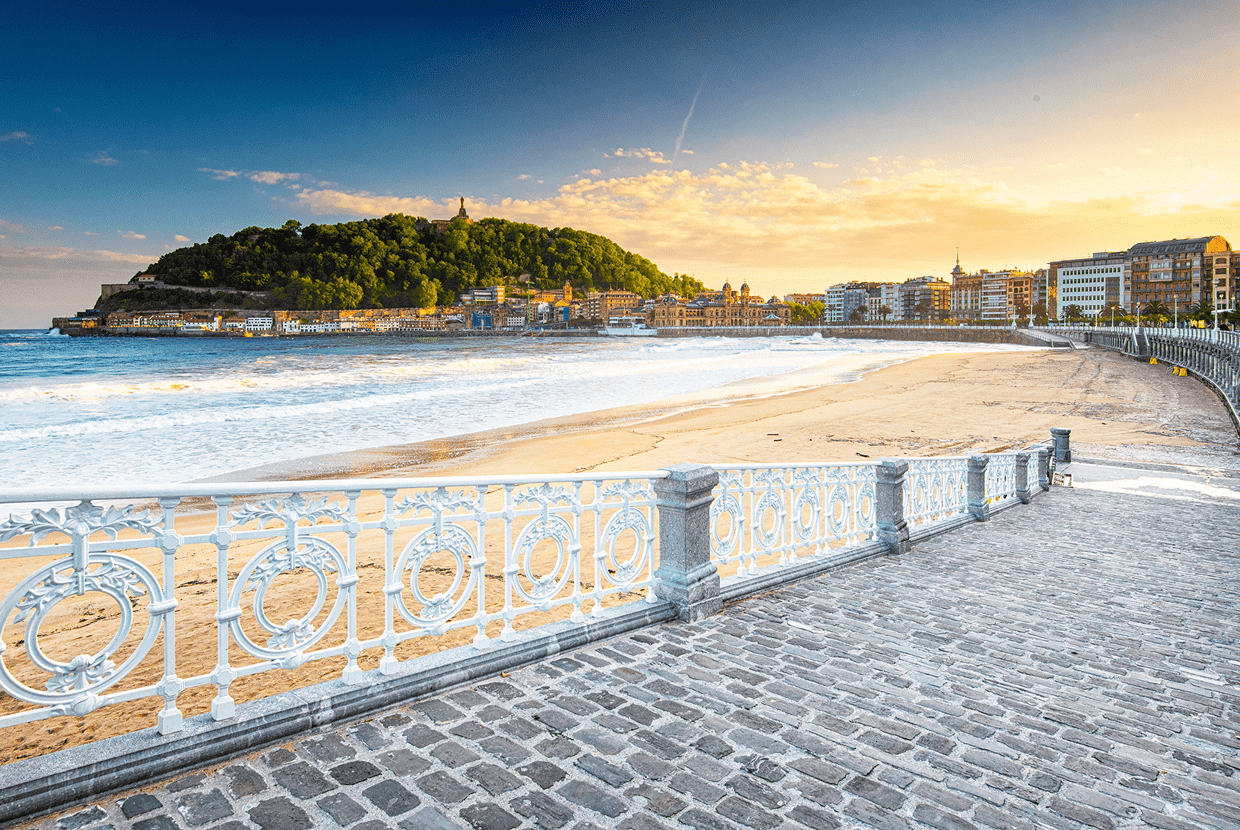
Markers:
952,401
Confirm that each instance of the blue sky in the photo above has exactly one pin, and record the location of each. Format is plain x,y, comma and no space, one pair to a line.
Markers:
826,142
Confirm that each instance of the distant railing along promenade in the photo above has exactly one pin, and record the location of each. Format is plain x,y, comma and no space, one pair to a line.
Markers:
393,589
1210,354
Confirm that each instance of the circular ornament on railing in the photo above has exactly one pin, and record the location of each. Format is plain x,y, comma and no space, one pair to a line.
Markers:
867,507
542,588
728,504
920,497
770,501
806,501
316,555
630,518
73,687
460,545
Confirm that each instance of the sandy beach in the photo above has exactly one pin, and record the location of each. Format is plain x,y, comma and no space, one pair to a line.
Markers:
939,405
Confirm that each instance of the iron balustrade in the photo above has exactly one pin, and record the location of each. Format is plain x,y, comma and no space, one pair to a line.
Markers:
441,556
276,576
763,511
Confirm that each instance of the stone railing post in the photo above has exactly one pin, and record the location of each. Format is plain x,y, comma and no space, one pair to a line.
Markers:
687,577
1022,477
1044,468
889,505
1063,450
977,486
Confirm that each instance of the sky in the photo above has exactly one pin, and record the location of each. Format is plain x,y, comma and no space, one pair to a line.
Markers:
792,146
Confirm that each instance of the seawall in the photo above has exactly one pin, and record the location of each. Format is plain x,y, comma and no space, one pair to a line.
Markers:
941,334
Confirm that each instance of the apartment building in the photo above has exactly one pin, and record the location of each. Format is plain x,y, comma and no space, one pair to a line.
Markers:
924,298
1093,284
1176,272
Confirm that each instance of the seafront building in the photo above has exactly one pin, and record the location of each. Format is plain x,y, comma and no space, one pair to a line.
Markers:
1092,284
1178,273
718,309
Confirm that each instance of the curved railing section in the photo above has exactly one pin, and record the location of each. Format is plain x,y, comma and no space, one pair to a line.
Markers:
1210,354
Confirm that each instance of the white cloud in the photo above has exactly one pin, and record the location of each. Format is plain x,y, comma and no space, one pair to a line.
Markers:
56,228
131,235
826,165
220,175
272,177
687,152
643,153
74,255
180,238
103,159
90,233
12,226
18,135
523,177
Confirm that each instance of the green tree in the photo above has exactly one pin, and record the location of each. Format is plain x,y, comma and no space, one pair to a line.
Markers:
1155,313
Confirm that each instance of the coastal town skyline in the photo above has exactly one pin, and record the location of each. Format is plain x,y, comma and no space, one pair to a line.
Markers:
806,149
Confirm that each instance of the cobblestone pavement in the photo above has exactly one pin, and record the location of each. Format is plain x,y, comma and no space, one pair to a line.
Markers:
1069,664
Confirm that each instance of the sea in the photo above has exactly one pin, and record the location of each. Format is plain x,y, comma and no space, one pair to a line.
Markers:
95,411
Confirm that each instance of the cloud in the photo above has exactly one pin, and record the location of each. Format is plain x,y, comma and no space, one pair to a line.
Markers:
686,152
56,228
66,255
826,165
523,177
220,175
131,235
643,153
18,135
180,238
90,233
692,106
103,159
12,226
271,177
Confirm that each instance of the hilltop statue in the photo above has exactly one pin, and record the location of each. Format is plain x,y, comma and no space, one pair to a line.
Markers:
461,214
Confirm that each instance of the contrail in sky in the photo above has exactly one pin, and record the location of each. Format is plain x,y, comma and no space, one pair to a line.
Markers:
680,138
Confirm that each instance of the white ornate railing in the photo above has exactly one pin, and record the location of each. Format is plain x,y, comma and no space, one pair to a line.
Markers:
1001,478
345,577
936,489
287,570
786,512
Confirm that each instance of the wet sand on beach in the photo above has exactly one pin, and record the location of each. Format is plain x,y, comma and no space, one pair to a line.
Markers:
939,405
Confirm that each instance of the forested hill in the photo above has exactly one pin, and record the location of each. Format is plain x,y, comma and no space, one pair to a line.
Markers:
398,261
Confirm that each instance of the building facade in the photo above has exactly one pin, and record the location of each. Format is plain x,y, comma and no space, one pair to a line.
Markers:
1093,284
1179,273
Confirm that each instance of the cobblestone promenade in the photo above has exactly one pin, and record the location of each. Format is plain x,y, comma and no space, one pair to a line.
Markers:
1073,663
